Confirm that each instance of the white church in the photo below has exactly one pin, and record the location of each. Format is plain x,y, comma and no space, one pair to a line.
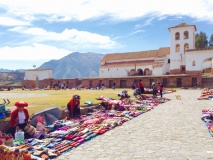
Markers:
180,58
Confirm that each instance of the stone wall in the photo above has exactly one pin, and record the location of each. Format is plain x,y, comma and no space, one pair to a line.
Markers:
70,83
126,82
207,82
181,80
29,84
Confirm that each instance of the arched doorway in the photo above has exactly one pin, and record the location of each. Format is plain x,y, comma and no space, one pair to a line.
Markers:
132,72
147,71
207,65
140,72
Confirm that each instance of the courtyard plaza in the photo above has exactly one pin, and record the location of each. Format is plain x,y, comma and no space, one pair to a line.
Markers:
172,130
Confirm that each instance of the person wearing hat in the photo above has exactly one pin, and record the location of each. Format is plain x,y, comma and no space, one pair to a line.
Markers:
41,130
74,106
19,117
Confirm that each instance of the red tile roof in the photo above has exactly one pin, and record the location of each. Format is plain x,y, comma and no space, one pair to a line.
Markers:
161,52
183,25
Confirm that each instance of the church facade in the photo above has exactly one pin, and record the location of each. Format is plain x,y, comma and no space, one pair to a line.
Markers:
180,58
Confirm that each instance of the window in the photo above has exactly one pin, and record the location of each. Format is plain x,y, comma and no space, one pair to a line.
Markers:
177,36
168,60
177,48
193,63
186,35
108,69
186,46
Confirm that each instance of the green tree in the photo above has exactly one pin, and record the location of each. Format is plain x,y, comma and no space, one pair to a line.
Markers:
211,41
201,41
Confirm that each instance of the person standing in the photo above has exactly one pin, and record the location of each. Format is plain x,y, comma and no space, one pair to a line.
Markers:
160,88
154,90
113,87
140,85
133,85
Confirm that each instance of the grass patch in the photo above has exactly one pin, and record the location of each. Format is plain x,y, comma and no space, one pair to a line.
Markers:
60,98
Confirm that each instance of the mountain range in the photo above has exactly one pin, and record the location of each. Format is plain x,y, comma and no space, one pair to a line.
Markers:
75,65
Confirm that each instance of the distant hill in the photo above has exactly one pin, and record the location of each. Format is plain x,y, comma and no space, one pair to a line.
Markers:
75,65
14,78
9,70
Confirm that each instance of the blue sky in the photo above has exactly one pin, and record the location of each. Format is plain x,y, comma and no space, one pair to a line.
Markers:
35,31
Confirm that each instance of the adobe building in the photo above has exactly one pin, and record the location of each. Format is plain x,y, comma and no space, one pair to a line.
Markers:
34,76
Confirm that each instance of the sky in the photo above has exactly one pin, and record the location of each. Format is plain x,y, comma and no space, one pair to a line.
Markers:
36,31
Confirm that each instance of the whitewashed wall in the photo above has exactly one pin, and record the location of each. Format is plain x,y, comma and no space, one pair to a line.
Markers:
41,74
207,64
176,60
198,57
119,71
166,66
157,71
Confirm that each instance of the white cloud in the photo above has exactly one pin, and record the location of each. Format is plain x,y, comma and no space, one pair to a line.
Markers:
7,21
70,37
34,52
66,10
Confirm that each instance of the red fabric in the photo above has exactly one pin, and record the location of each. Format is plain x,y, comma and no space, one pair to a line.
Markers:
72,103
140,84
21,104
14,117
124,96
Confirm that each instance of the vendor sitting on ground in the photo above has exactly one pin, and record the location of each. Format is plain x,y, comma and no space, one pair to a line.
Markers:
124,95
19,118
74,106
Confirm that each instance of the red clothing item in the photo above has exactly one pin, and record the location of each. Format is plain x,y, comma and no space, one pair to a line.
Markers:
124,96
140,84
14,117
72,103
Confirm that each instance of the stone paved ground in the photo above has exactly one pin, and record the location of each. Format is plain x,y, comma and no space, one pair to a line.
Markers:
172,130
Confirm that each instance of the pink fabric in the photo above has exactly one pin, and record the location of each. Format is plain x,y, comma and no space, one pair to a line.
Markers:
39,118
40,126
